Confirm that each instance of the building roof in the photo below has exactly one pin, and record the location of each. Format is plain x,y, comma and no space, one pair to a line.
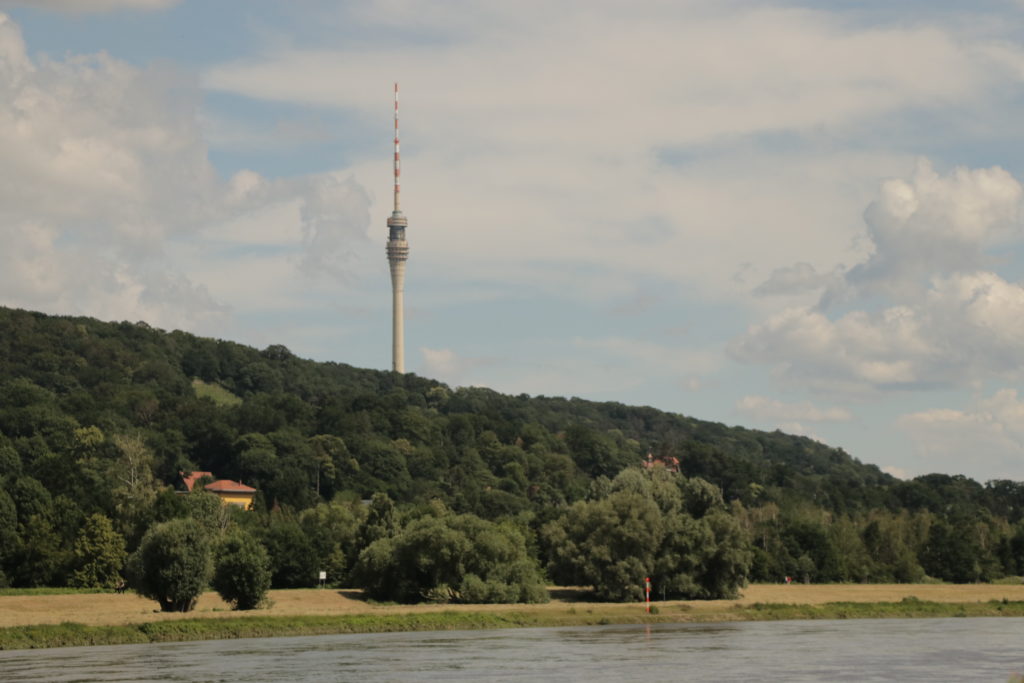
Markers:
218,486
191,479
228,486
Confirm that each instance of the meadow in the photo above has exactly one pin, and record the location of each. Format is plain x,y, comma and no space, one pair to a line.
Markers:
66,619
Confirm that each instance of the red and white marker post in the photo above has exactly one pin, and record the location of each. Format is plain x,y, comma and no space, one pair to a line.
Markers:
647,587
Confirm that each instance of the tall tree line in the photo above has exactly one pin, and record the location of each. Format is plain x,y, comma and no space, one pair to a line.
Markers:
98,419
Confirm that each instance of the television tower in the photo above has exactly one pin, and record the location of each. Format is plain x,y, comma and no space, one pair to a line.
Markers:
398,254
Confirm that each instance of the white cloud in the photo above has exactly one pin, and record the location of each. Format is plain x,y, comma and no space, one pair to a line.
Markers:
942,321
107,186
450,366
797,429
935,225
966,328
986,438
771,410
898,472
442,363
637,147
38,273
724,69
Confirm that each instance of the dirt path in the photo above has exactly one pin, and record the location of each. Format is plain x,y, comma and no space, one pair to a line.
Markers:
107,609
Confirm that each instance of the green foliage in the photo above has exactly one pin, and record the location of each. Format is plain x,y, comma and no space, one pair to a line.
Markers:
643,529
133,485
333,530
294,563
242,571
9,539
31,499
206,510
40,559
381,520
172,565
262,626
215,393
99,418
99,555
450,558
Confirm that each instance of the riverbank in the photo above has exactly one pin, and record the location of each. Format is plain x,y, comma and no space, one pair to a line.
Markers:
32,621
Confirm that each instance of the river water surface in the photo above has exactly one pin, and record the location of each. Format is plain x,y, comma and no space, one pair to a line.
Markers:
855,650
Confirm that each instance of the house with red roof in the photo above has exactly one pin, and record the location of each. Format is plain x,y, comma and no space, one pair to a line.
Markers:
230,492
670,463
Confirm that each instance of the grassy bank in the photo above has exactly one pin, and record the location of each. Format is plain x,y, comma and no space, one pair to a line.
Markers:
71,634
53,591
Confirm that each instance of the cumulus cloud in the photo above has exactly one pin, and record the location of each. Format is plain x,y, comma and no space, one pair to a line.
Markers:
39,274
986,438
106,174
934,225
943,320
967,327
771,410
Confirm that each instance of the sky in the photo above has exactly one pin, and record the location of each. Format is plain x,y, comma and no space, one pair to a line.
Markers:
803,216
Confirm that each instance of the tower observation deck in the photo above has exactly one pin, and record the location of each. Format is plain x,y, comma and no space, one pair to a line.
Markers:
398,253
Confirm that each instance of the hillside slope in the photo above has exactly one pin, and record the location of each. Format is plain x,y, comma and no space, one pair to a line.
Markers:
98,418
77,372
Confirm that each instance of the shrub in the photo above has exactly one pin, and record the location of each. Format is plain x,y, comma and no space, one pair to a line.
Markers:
99,555
172,565
242,571
450,558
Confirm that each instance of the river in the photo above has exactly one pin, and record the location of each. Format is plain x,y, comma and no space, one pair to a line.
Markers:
854,650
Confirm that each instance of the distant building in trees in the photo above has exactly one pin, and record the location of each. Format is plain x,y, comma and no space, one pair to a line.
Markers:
230,492
670,463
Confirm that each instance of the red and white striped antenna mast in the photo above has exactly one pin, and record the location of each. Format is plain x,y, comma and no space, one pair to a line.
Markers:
398,156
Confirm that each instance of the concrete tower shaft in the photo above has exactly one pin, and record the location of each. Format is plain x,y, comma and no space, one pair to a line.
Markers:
398,253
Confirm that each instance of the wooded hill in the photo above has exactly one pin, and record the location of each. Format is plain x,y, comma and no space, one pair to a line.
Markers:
99,418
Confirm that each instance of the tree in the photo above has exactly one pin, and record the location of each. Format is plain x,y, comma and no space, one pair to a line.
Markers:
172,564
10,543
292,559
327,449
380,521
332,530
207,510
31,499
242,571
609,544
643,528
40,558
135,489
99,554
450,558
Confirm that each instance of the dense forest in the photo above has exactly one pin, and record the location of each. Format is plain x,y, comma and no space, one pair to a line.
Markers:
364,474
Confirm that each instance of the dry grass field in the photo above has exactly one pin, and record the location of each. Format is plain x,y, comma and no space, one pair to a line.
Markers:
109,609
